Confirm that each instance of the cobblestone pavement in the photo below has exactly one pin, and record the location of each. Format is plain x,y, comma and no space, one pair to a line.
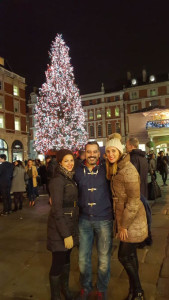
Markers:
25,262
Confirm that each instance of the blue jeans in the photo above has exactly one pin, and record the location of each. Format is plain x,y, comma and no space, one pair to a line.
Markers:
103,232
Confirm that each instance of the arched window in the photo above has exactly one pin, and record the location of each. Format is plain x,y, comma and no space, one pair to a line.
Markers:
3,148
17,151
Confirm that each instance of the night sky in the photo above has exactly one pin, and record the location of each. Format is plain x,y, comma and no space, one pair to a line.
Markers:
106,38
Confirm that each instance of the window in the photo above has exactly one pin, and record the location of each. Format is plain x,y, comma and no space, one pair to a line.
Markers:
99,130
17,123
15,90
91,116
153,92
91,131
117,127
90,102
16,106
98,101
1,121
99,114
108,99
117,98
134,95
108,113
1,102
134,107
153,103
109,128
117,112
0,85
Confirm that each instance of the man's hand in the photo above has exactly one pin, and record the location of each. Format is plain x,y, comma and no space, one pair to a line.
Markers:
68,242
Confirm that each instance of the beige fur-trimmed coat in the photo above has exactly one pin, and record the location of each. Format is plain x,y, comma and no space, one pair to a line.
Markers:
128,208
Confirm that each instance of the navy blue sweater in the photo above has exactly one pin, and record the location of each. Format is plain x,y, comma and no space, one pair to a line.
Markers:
94,195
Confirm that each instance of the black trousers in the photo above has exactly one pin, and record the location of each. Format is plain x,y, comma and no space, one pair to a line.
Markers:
59,259
164,176
18,199
6,198
127,255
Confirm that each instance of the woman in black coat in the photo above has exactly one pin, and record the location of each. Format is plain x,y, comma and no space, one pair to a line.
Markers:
62,231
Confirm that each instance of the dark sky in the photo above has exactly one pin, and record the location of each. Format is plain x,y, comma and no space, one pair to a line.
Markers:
106,38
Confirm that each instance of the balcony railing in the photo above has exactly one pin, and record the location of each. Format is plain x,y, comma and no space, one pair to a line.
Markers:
158,124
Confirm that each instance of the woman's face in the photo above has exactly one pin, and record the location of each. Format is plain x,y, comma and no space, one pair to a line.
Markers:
16,163
30,164
113,154
68,162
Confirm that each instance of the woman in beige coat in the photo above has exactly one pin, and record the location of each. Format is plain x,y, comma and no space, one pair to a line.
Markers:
32,181
130,216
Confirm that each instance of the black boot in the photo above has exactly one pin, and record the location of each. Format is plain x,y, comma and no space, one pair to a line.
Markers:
55,287
139,296
65,283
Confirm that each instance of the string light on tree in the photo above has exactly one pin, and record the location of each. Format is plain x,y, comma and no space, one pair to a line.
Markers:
58,112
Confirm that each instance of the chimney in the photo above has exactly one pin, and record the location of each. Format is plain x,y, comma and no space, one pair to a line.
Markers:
128,75
144,74
1,61
102,88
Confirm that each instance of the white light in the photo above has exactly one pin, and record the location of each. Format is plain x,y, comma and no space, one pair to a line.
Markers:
134,81
152,78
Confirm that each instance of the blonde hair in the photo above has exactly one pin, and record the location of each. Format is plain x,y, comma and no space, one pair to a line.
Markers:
111,168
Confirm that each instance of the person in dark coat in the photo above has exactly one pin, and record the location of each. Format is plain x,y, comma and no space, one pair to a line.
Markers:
6,171
162,166
138,159
62,228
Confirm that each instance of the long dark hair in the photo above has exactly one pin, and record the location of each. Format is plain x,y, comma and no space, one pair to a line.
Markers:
19,163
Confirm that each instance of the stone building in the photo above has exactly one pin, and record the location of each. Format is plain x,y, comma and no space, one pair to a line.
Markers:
13,132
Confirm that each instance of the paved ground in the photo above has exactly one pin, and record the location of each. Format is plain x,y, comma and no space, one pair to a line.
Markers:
25,262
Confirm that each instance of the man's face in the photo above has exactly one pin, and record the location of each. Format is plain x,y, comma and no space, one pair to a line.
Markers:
162,154
92,154
129,147
1,160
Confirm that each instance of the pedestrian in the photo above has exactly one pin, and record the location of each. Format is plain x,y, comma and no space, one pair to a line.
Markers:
6,171
129,212
138,159
152,165
32,182
62,232
162,166
18,184
95,220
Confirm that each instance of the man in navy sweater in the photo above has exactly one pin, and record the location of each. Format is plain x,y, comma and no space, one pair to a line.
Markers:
96,219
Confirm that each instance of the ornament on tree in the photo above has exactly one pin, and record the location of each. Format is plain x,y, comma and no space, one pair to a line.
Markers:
58,112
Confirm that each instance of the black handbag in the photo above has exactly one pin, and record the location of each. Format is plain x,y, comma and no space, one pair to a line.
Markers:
154,190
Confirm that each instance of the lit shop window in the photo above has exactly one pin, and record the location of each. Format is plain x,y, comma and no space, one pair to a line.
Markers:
16,90
17,123
117,112
1,121
99,114
108,113
91,116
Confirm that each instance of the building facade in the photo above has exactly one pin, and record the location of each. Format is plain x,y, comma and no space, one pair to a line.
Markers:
13,131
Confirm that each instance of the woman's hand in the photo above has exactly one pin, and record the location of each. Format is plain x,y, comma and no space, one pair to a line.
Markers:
123,234
68,242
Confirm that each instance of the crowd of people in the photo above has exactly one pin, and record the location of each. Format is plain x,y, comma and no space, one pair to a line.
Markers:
91,198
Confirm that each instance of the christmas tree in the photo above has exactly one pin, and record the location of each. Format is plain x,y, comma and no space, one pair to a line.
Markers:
58,112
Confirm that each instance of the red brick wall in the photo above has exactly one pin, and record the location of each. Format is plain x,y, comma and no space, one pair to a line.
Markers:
162,90
8,88
9,121
22,93
22,107
142,93
23,123
9,103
